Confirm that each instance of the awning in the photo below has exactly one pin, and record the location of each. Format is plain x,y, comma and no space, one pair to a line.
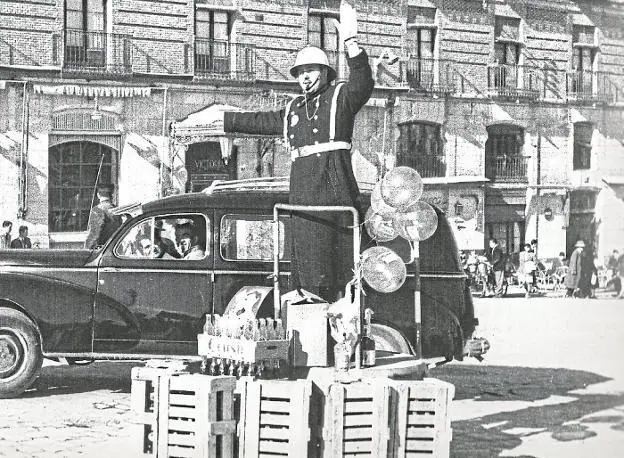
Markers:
614,180
201,126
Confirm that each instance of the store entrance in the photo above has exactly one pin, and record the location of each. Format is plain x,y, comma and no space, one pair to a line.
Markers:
205,164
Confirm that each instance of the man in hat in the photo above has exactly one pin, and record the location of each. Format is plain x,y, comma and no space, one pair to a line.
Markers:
102,222
317,126
575,270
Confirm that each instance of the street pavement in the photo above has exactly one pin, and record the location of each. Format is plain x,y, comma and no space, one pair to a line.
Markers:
552,385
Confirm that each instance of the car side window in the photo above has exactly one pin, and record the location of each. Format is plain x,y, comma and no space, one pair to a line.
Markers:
177,237
250,238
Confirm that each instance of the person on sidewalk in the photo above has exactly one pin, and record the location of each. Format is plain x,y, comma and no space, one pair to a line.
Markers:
5,236
575,270
22,241
317,127
620,271
526,267
102,222
496,258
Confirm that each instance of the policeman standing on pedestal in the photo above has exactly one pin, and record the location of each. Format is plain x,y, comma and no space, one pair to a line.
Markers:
317,127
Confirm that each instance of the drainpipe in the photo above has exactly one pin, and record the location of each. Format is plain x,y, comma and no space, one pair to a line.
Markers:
538,182
164,135
23,162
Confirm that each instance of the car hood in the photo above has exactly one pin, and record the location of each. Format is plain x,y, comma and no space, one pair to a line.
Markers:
46,257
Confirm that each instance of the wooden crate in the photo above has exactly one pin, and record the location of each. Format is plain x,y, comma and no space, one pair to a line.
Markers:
422,421
357,418
274,419
183,415
388,418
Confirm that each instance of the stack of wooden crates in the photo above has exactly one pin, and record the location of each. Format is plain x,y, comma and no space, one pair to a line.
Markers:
193,415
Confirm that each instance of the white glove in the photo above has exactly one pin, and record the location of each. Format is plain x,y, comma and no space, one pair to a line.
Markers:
347,27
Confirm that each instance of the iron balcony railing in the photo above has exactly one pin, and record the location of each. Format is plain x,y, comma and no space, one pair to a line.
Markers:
591,86
428,75
509,168
222,59
514,81
97,52
429,166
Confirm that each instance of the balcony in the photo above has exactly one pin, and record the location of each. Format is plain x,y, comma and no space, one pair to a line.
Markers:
592,87
514,81
428,75
507,168
97,53
221,59
429,166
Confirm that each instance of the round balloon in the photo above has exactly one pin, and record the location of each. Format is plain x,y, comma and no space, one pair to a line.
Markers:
401,187
419,222
379,227
383,269
378,204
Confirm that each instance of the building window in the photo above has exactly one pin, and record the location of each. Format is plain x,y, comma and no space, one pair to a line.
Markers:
582,145
503,154
421,147
510,235
212,41
85,39
323,34
421,65
74,170
504,74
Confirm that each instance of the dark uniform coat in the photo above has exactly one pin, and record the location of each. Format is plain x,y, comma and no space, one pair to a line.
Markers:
322,256
102,224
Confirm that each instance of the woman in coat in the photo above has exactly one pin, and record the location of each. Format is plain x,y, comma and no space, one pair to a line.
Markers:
575,269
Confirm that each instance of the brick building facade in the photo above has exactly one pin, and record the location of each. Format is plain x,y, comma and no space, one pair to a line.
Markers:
513,111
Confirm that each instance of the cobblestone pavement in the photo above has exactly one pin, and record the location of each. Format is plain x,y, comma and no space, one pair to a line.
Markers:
551,386
71,411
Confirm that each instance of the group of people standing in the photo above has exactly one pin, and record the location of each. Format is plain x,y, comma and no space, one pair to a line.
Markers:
21,241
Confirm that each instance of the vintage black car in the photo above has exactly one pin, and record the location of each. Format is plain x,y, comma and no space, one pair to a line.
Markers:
135,298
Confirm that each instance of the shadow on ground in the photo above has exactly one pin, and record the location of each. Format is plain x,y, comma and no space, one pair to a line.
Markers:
505,384
63,379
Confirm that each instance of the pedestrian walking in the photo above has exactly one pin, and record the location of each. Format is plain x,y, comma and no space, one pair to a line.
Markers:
102,222
575,270
588,281
496,258
620,270
318,127
526,268
22,241
5,235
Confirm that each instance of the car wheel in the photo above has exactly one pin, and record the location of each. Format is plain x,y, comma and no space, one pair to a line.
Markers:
20,353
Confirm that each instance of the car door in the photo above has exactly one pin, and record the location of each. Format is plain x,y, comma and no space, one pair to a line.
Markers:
150,298
245,255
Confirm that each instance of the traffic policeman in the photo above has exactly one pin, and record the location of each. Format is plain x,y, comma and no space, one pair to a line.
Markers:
317,126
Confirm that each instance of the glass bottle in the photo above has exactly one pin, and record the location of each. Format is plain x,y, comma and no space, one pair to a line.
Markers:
367,343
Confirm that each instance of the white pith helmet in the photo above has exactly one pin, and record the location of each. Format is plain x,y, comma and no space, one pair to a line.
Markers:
311,55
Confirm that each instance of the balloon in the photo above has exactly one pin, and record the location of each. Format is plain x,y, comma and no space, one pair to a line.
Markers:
401,187
419,222
379,227
383,269
378,204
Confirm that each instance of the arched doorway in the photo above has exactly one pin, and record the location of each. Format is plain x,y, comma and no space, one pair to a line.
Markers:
75,167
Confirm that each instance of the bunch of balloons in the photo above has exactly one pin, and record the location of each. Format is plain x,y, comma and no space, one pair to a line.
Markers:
396,211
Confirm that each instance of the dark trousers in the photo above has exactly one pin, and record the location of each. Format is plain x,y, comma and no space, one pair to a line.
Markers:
499,276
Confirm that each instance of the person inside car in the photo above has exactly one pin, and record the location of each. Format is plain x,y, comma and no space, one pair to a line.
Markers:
188,242
145,248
